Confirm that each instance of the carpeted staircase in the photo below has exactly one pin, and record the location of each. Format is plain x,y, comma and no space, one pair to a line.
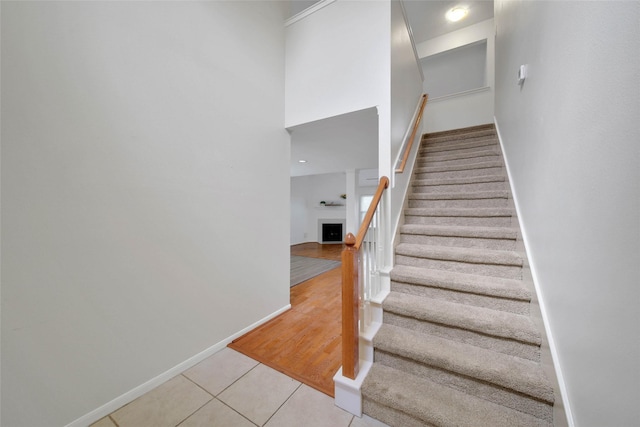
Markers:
457,346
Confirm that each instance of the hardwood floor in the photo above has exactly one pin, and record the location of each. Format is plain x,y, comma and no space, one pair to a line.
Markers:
316,250
304,342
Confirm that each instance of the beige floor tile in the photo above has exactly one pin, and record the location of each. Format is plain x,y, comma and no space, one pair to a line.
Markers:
220,370
310,408
103,422
216,414
366,421
165,405
259,393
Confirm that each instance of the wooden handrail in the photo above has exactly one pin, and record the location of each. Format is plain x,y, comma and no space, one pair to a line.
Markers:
416,124
350,289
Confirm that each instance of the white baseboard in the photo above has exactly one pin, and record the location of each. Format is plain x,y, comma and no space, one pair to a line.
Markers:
541,303
133,394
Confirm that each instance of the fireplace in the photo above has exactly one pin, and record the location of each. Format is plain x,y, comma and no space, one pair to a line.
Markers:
331,233
331,230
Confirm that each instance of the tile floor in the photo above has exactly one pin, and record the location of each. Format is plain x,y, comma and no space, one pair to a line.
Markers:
229,389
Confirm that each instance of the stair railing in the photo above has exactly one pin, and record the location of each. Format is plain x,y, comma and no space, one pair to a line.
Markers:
362,259
403,155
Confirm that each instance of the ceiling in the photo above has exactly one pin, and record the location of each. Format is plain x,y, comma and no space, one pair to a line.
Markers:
427,20
336,144
350,141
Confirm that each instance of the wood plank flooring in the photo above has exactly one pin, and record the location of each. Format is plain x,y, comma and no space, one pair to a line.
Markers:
316,250
304,342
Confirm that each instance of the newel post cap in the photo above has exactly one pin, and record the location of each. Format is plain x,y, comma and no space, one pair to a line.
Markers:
350,239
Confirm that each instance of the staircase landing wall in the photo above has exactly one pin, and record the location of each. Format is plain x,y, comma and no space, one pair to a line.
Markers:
468,108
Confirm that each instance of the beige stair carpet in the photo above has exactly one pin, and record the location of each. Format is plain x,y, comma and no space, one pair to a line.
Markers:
457,346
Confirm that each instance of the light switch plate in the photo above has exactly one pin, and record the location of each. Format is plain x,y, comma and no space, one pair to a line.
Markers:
522,74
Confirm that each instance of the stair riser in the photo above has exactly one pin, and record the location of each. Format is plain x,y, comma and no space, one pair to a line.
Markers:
448,146
452,295
469,137
390,416
506,271
498,221
428,162
471,129
456,188
424,153
444,156
493,393
459,242
498,344
494,170
459,151
456,149
464,203
461,135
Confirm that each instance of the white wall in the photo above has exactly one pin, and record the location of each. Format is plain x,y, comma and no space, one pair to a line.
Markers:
406,90
469,109
299,210
571,138
455,70
306,194
141,156
406,79
337,61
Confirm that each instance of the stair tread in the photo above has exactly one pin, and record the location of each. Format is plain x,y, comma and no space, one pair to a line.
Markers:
467,212
437,404
459,180
465,166
463,282
521,375
460,231
461,195
468,255
478,319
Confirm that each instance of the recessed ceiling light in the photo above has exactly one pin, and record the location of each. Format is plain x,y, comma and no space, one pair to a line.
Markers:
302,161
456,14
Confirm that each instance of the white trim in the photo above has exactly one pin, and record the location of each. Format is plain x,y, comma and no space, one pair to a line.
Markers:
370,333
308,11
380,296
413,40
347,391
365,339
543,310
133,394
458,94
